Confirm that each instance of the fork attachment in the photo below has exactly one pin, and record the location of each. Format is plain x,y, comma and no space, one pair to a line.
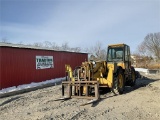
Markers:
81,89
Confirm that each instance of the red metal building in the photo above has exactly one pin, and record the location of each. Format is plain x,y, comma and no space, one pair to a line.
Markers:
20,64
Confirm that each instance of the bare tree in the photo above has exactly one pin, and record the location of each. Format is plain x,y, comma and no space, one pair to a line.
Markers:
65,46
55,46
142,49
97,52
47,44
76,49
38,44
152,44
148,49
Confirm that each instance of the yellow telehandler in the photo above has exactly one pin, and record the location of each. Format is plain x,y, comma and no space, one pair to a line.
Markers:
114,73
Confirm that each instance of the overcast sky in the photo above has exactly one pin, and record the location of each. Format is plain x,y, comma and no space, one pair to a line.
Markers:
81,23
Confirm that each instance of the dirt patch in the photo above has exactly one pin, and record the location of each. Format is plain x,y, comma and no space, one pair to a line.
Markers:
138,102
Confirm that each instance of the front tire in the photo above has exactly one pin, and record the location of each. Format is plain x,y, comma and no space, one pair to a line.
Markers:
118,83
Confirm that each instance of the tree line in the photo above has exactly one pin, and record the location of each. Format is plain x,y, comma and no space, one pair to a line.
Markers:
148,52
149,48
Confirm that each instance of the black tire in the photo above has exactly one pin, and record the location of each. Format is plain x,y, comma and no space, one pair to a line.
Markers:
132,81
118,83
138,75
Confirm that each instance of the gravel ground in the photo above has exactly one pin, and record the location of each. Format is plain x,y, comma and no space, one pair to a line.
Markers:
141,102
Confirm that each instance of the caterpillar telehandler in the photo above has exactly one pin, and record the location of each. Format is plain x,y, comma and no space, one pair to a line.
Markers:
114,73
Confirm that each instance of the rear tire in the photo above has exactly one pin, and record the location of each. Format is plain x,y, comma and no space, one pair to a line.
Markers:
132,81
118,83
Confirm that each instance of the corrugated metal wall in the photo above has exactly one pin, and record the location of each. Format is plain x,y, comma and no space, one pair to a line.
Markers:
18,65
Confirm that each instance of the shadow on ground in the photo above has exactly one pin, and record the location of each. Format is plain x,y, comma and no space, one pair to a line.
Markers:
10,100
140,82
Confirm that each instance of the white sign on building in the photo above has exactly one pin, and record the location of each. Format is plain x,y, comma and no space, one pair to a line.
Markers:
43,62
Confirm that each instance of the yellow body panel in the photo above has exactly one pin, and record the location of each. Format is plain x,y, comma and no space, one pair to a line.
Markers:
69,71
121,64
111,68
116,45
109,80
99,72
